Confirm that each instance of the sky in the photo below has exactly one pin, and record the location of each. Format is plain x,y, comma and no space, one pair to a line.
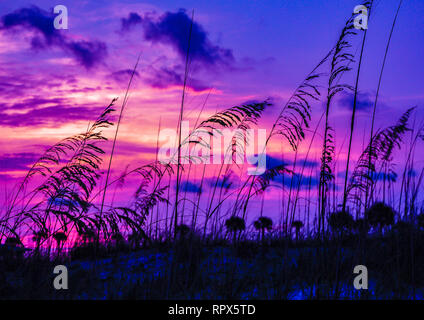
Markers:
54,82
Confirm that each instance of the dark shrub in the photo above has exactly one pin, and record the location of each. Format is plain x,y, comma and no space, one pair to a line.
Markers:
13,242
297,225
60,237
361,226
340,221
182,231
380,215
234,225
262,224
420,220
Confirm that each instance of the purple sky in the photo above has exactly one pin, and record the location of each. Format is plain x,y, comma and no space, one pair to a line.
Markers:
52,82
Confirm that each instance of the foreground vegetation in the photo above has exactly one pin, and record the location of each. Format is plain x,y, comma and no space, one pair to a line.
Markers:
278,268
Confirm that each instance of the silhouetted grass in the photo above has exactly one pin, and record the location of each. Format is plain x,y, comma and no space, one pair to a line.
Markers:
204,246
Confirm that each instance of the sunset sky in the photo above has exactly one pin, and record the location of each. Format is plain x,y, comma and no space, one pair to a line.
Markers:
53,82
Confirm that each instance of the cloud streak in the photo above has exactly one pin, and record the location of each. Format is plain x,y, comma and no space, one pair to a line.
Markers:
166,77
52,116
17,161
363,101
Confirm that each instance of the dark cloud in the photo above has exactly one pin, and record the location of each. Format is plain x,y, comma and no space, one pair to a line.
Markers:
33,103
37,110
412,173
85,89
87,53
272,162
191,187
364,101
229,181
6,177
380,176
174,29
165,77
376,176
52,116
132,20
34,18
13,84
124,75
17,161
297,178
308,163
16,83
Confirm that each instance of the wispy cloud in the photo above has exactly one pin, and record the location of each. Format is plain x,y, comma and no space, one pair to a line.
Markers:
51,116
191,187
17,161
165,77
364,101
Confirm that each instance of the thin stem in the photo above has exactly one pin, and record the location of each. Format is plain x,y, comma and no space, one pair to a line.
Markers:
352,122
124,102
378,91
180,128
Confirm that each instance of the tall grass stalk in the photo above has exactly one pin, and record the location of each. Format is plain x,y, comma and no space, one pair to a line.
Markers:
180,128
378,91
124,103
352,122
